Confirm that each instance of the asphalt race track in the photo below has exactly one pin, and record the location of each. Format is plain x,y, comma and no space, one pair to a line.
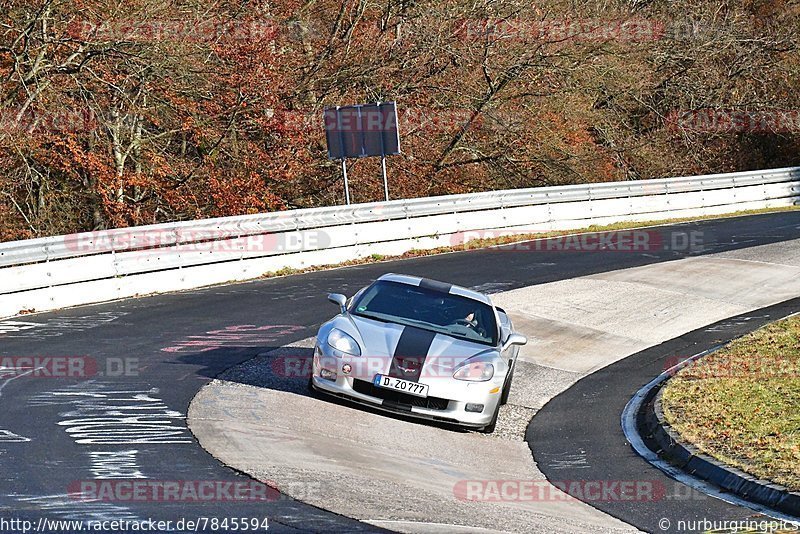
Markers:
588,444
153,354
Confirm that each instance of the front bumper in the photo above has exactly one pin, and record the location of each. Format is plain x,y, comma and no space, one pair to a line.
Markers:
446,402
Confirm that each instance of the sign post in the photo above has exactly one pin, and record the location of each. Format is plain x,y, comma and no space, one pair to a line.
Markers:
346,186
361,131
385,180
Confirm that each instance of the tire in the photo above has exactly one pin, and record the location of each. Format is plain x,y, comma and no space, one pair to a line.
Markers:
507,386
312,391
488,429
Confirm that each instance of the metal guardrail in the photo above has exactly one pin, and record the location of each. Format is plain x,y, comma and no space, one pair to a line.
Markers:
138,238
61,271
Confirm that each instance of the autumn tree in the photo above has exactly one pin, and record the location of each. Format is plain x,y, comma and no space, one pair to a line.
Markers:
116,114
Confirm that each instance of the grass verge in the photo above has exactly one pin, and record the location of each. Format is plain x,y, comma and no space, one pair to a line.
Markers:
741,404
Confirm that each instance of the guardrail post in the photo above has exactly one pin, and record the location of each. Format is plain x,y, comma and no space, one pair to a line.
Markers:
177,246
549,212
46,249
630,199
703,194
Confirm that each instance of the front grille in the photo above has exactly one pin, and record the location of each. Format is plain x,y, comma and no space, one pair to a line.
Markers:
398,397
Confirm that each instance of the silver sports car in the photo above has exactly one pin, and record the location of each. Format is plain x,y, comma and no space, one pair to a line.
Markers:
421,348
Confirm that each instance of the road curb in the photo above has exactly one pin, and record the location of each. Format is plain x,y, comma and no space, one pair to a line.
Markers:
657,431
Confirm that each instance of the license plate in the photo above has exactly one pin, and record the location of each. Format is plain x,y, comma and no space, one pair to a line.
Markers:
406,386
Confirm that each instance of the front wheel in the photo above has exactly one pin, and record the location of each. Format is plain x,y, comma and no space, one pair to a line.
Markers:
488,429
507,387
312,391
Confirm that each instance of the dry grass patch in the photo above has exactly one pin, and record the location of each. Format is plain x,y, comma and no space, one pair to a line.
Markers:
741,404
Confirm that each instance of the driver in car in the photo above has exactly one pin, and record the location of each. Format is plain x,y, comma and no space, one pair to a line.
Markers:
473,320
470,318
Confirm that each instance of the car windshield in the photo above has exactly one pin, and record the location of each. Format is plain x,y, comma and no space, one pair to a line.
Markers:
453,315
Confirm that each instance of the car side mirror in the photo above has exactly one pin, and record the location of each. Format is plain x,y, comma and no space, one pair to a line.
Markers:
515,339
339,299
504,333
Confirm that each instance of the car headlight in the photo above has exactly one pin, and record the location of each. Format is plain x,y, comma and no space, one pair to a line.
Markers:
343,342
475,372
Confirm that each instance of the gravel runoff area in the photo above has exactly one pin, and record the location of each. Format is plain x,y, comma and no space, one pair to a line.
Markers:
741,404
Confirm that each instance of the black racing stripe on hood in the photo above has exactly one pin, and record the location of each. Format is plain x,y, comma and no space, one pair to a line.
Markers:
410,353
434,285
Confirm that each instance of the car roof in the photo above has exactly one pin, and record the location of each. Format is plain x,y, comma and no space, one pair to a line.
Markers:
435,285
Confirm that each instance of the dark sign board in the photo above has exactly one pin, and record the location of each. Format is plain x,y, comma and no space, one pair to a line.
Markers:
362,131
